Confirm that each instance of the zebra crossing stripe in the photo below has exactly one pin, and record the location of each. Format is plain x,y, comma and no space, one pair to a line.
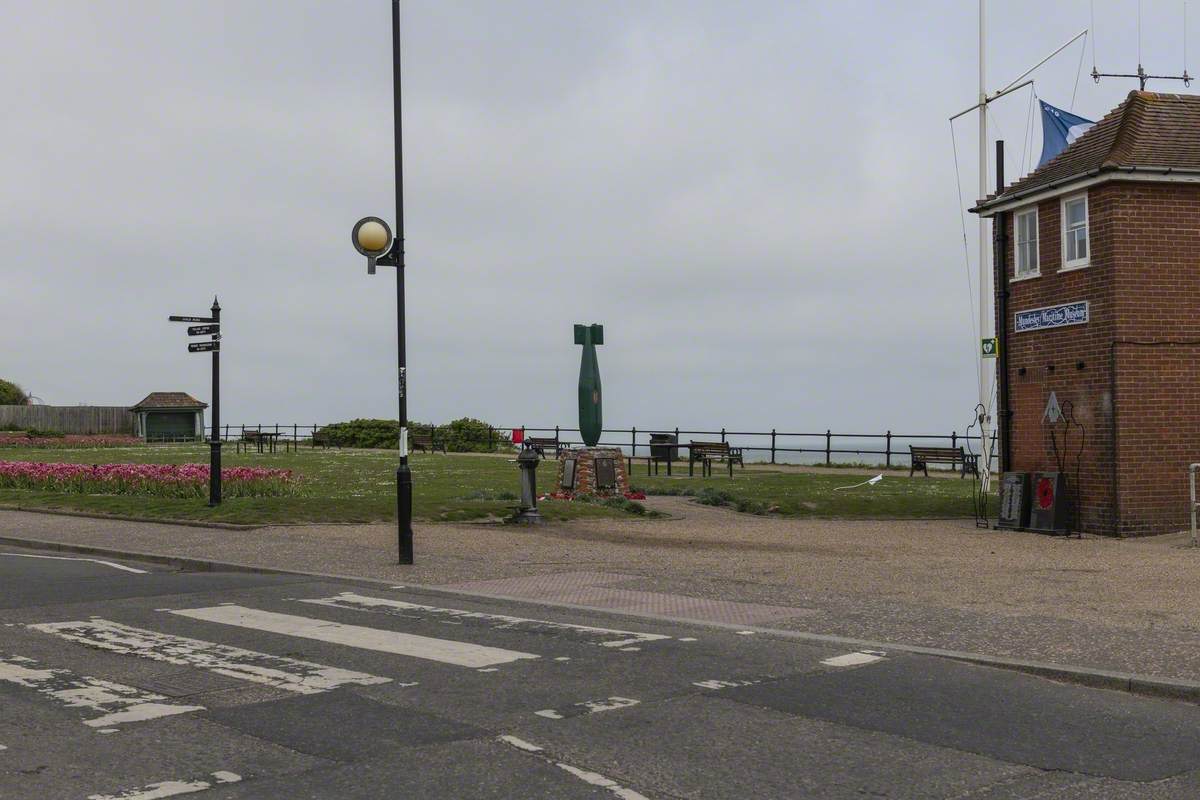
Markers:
447,651
302,677
606,637
116,703
155,791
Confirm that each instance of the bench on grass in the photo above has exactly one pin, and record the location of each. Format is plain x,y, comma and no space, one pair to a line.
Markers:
922,457
426,443
540,444
708,452
263,441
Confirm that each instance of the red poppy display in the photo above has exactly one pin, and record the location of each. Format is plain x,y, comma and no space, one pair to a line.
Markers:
1045,493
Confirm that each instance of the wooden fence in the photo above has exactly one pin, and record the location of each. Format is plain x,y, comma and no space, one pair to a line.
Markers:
69,419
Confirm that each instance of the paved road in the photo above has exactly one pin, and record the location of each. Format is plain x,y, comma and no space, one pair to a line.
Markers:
125,680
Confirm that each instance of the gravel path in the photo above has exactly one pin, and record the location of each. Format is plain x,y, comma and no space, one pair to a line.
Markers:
1117,604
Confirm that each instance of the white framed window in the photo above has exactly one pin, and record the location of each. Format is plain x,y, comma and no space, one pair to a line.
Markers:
1025,224
1076,250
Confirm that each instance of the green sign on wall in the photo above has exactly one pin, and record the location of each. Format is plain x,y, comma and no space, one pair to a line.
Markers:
988,347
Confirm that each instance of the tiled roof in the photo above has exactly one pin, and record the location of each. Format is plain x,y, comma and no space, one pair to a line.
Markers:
1150,131
181,400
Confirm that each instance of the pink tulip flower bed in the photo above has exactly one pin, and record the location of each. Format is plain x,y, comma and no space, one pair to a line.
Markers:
159,480
19,439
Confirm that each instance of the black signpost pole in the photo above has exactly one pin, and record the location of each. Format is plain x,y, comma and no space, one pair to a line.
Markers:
212,325
403,473
214,455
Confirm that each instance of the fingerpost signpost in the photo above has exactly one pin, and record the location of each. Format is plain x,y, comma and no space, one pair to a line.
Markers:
211,327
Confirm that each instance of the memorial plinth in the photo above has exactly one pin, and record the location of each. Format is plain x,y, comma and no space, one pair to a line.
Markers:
596,471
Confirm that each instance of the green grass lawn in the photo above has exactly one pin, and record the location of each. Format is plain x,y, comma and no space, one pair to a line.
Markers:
359,486
334,486
799,494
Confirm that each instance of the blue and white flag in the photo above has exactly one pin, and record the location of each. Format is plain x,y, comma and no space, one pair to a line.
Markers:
1059,129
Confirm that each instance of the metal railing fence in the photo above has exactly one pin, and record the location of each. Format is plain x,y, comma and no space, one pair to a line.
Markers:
774,445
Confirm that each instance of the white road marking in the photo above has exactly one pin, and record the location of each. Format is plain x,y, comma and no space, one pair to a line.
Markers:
853,659
611,704
606,637
563,658
687,639
302,677
489,669
718,684
521,743
71,558
116,702
109,730
2,747
630,649
596,779
588,707
446,651
154,791
593,778
745,633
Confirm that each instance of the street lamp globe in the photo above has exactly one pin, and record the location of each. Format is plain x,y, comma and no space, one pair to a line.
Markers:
373,237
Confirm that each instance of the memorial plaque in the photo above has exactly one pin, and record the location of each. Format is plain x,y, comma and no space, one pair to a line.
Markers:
606,473
568,475
1014,501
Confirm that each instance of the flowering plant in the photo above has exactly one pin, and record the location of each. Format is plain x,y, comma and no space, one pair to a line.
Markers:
162,480
22,439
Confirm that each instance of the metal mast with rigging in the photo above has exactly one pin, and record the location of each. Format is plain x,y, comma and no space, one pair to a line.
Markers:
987,369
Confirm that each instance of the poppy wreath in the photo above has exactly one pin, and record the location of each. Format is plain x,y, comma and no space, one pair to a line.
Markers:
1045,493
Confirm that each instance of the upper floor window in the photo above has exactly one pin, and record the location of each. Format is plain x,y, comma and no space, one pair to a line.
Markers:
1027,243
1076,251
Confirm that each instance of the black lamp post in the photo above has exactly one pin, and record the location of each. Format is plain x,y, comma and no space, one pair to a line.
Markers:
372,237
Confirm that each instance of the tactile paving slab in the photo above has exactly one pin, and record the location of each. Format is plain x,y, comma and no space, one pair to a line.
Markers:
596,589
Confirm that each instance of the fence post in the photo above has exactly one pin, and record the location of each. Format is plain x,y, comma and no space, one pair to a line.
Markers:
828,447
491,447
954,438
889,449
722,434
557,440
632,446
772,445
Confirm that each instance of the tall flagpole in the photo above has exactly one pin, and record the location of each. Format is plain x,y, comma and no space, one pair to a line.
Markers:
986,323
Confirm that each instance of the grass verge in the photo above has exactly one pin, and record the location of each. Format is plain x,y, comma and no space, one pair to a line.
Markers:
806,494
334,486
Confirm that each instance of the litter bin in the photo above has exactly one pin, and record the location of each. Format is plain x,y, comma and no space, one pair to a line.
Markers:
664,447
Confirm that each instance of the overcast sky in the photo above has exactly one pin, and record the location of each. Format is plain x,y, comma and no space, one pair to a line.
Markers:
756,199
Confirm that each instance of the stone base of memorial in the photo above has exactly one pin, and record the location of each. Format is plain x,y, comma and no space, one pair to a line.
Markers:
597,471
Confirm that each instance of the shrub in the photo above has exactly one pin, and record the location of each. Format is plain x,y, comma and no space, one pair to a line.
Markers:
381,433
464,435
43,434
12,395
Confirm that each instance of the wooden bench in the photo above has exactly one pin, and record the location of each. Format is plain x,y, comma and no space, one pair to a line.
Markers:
540,444
708,452
426,443
922,457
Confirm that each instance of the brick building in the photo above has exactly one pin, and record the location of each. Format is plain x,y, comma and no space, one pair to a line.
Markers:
1097,258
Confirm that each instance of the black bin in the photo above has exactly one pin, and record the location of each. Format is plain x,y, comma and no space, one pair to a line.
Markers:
664,447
